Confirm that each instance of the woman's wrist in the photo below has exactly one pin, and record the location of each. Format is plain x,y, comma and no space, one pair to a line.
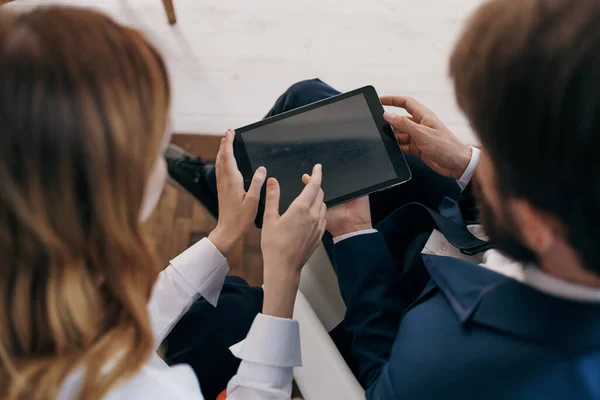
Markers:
280,287
223,240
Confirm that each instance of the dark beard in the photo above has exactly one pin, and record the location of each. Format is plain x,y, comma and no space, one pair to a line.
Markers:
502,231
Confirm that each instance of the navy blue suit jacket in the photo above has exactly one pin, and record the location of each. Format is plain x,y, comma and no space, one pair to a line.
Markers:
431,327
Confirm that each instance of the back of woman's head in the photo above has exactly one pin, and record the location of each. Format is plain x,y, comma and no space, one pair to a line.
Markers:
83,111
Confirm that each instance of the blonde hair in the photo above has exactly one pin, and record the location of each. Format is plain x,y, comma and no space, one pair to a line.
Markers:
83,110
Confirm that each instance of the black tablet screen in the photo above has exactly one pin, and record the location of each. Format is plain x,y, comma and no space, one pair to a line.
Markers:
342,136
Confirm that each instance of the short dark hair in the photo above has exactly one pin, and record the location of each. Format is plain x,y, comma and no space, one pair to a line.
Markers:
527,75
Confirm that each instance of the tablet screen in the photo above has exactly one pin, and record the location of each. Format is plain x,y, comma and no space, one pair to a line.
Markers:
342,136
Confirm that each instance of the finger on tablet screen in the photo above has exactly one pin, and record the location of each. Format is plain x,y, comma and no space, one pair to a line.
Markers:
313,186
228,157
305,179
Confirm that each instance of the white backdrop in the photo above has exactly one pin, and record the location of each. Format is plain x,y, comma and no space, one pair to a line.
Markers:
230,59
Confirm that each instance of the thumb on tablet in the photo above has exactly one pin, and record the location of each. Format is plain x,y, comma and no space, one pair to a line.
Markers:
272,200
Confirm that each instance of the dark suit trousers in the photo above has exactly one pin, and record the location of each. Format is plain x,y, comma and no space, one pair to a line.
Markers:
203,336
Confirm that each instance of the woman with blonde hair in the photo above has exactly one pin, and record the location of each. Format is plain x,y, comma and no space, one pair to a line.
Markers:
84,108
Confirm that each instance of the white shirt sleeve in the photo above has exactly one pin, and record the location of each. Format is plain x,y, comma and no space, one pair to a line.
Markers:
198,271
269,354
466,177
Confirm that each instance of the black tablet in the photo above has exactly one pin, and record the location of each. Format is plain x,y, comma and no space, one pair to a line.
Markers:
346,134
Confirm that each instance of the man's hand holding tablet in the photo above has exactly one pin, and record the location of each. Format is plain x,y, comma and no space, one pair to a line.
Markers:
422,135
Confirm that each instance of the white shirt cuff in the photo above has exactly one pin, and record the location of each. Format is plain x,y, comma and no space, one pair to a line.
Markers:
270,351
466,177
338,239
271,341
193,274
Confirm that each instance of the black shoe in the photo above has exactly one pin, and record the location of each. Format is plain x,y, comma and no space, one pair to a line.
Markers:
191,173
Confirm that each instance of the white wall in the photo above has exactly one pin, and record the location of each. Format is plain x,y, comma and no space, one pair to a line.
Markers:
230,59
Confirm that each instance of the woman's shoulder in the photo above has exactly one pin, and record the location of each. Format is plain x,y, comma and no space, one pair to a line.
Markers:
154,381
159,382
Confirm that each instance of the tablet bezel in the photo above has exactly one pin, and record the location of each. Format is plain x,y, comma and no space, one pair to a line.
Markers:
403,173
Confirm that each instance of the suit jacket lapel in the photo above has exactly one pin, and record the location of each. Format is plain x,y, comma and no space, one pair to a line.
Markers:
504,304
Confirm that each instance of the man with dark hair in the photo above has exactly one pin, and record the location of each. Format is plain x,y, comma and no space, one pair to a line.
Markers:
434,308
518,316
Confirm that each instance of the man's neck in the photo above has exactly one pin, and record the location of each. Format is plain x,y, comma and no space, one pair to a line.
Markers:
564,264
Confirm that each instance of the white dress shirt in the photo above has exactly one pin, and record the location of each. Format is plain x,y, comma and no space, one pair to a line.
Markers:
269,353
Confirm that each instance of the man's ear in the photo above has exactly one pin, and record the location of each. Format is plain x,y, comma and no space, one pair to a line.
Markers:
538,230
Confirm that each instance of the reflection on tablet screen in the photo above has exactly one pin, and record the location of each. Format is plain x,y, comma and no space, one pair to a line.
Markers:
342,136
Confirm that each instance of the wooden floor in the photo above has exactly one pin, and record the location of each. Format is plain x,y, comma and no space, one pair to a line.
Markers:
180,221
